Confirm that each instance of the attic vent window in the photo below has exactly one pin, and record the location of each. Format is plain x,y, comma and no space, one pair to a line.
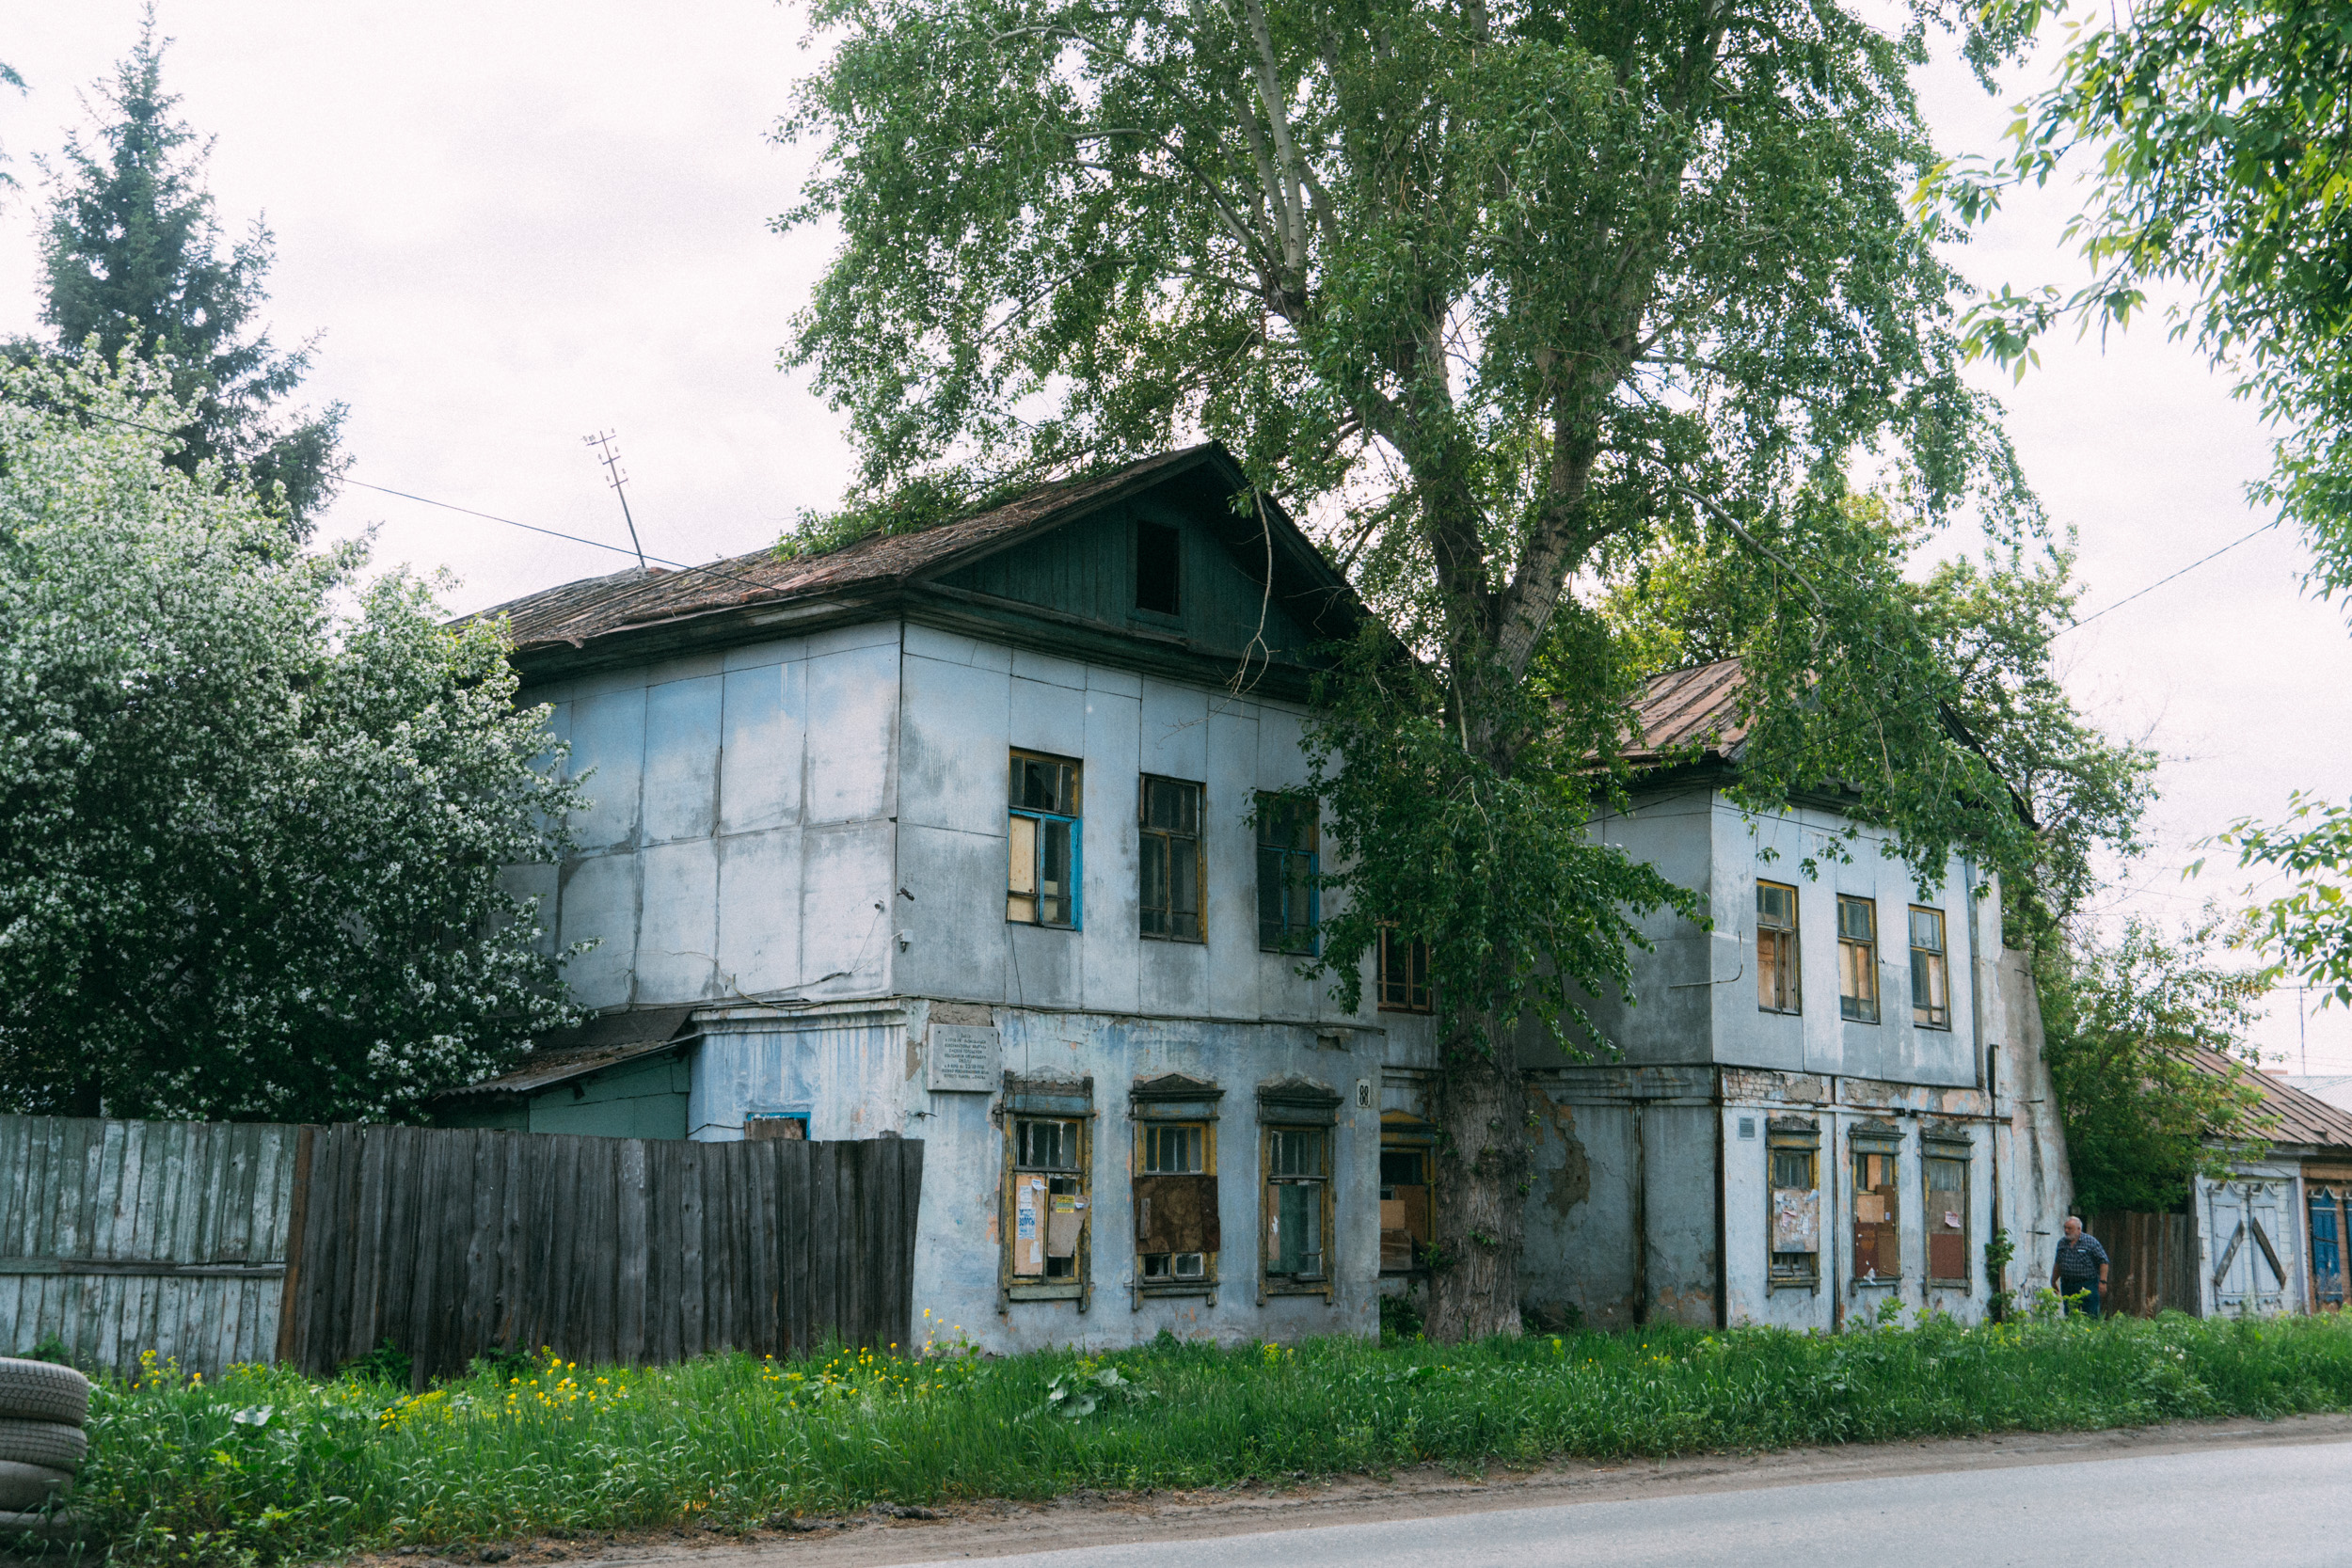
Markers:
1158,576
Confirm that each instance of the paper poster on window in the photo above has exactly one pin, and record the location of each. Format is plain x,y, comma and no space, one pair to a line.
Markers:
1796,1219
1951,1219
1028,1249
1061,1226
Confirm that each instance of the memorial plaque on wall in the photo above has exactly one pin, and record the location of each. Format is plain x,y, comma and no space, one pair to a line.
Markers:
964,1060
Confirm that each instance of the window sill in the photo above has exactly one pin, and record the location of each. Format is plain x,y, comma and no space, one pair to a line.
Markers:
1059,1290
1294,1286
1175,1287
1886,1282
1410,1012
1188,942
1782,1012
1951,1285
1810,1287
1286,951
1040,926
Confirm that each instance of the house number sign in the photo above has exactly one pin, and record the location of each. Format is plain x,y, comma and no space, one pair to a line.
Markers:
964,1060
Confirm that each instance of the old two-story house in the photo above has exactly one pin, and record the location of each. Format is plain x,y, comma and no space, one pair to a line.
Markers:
991,835
1824,1105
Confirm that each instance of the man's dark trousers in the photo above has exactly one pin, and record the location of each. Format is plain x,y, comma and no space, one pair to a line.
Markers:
2088,1304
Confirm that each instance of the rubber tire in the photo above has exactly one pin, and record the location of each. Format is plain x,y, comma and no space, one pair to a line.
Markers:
52,1443
42,1391
30,1488
58,1529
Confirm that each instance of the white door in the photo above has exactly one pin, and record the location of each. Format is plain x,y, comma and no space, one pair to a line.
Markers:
2250,1254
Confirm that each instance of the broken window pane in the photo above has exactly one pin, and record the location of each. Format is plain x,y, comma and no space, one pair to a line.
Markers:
1405,1233
1877,1214
1042,877
1930,979
1858,960
1776,948
1170,890
1176,1217
1947,1218
1049,1198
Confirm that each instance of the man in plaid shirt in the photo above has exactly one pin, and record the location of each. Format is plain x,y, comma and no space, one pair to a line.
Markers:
2081,1265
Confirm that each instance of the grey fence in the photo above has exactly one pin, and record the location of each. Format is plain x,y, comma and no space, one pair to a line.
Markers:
123,1237
126,1237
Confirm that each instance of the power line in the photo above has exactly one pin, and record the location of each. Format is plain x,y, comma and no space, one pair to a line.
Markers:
2161,582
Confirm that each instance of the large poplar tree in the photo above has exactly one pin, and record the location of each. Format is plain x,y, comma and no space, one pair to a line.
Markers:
1512,297
132,258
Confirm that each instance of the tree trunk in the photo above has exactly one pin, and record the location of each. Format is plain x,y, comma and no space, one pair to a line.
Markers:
1483,1164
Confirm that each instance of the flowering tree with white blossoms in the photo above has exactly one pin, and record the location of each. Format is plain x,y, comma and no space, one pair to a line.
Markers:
251,848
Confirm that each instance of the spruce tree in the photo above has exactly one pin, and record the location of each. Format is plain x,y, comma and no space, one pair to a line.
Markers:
133,259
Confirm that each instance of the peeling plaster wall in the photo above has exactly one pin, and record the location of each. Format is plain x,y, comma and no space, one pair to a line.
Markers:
2038,1187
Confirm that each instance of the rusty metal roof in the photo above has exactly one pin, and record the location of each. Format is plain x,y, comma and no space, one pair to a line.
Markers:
2297,1119
1685,714
605,1040
574,613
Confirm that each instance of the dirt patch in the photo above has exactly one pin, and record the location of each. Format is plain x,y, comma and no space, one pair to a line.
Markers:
892,1534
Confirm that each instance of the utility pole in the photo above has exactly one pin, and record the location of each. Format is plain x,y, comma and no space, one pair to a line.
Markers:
602,440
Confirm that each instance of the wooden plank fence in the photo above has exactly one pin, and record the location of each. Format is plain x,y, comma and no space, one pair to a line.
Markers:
2152,1261
120,1237
123,1237
453,1244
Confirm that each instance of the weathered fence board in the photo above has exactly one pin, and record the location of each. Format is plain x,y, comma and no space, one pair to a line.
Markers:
120,1237
2152,1261
452,1245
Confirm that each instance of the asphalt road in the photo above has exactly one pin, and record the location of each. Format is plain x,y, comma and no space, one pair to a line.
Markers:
2274,1506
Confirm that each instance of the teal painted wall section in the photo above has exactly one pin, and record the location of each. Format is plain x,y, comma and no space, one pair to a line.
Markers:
644,1098
1088,569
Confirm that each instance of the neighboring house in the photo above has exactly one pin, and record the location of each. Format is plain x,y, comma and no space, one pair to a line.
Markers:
2333,1087
1826,1104
2270,1236
991,835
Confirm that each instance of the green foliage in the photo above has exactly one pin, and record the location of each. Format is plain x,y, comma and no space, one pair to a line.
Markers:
389,1365
1929,696
2309,929
252,845
1524,913
2217,134
316,1470
2119,1024
132,261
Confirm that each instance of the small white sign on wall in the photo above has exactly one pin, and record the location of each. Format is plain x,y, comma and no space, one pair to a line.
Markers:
964,1058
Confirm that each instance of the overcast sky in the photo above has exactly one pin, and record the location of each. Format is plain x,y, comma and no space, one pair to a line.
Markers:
516,224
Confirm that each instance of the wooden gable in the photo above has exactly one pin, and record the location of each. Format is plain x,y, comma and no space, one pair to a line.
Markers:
1096,567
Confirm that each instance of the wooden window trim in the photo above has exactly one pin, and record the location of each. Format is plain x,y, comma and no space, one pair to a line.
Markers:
1961,1153
1789,1135
1146,833
1942,957
1205,1284
1888,1147
1079,1286
1791,963
1298,1108
1409,1133
1267,800
1075,820
1858,962
1426,990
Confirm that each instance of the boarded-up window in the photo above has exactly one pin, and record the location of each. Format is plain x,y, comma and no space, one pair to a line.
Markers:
1041,883
1289,903
1776,948
1858,960
1946,1213
1405,973
1930,972
1876,1214
1049,1203
1169,893
1297,1194
1177,1234
1404,1232
1795,1218
1159,568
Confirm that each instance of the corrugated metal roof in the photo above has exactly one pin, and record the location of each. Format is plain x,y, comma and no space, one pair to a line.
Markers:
1690,710
575,611
2297,1119
605,1040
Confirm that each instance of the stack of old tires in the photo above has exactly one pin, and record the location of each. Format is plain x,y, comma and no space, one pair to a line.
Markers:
42,1409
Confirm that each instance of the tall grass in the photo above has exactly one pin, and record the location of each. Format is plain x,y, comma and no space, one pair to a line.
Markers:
265,1464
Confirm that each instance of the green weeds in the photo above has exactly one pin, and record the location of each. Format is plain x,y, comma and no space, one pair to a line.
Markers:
266,1465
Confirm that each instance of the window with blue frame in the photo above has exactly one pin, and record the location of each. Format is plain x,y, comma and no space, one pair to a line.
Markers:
2326,1205
1288,907
1041,883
